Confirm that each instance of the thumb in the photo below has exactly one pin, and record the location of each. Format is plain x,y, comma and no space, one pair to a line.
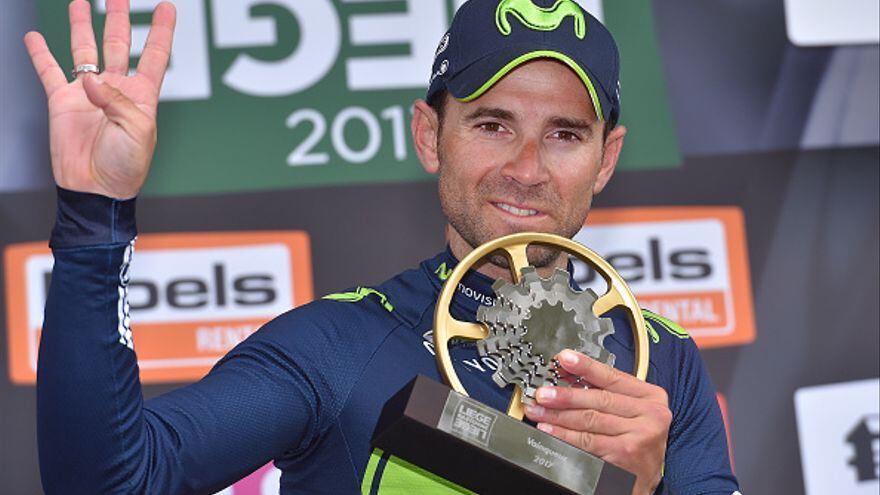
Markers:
118,108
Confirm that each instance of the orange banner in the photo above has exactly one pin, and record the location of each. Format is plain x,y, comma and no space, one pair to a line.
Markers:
193,297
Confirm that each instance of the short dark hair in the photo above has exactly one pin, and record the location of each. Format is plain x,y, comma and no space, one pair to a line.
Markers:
437,101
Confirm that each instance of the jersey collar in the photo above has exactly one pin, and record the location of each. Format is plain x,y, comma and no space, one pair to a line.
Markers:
474,290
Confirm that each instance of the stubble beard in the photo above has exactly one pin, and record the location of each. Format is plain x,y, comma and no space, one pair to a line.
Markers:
462,216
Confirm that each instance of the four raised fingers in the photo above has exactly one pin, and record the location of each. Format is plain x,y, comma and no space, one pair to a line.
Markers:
116,46
157,49
45,64
117,37
82,36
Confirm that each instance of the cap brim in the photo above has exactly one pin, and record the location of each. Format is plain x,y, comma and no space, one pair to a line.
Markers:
473,81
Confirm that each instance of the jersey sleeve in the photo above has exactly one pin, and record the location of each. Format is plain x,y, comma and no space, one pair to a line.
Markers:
95,432
697,456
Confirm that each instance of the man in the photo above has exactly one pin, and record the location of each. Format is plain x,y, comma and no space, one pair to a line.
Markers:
521,130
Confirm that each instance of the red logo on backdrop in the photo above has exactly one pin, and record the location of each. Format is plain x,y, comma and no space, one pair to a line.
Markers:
193,297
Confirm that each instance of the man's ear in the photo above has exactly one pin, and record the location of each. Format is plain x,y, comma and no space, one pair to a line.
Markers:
426,134
611,153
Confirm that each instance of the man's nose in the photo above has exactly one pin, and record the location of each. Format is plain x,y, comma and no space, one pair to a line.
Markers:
527,166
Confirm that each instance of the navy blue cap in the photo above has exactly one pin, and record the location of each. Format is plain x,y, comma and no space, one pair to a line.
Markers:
490,38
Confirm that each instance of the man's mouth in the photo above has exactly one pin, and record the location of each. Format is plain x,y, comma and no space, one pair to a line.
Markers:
513,210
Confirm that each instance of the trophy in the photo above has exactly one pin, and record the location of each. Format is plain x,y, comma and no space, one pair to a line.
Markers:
532,319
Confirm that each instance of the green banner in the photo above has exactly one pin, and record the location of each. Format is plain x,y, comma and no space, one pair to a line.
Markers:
265,94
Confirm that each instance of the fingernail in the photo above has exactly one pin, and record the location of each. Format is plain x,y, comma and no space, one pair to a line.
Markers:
545,427
534,410
568,357
546,393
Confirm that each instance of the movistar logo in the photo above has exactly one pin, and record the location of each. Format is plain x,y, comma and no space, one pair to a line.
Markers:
540,18
443,272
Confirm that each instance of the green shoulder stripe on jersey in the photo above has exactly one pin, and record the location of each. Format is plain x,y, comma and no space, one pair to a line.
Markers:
359,294
390,475
655,337
670,326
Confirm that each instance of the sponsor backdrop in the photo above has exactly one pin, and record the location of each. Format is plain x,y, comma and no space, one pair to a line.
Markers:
330,84
746,206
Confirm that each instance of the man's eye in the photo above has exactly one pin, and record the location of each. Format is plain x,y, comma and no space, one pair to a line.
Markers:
566,136
493,127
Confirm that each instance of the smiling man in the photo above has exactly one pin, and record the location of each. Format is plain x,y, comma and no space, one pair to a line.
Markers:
520,125
517,160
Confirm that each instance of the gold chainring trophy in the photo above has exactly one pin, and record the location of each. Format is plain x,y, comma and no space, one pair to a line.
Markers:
477,447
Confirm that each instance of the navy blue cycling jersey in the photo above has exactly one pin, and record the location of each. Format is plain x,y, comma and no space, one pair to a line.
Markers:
305,390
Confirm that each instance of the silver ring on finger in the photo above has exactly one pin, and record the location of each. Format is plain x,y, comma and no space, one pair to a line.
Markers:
84,69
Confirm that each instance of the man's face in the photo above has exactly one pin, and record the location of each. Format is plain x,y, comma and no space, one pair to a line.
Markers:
528,155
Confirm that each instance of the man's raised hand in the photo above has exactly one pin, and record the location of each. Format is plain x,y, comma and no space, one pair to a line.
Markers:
620,419
102,127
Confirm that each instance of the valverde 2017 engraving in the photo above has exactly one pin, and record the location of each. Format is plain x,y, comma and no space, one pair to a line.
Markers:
528,448
535,444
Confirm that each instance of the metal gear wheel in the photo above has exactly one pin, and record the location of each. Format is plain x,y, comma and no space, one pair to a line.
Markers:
530,322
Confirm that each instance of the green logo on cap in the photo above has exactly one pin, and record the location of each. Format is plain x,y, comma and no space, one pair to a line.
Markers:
540,18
